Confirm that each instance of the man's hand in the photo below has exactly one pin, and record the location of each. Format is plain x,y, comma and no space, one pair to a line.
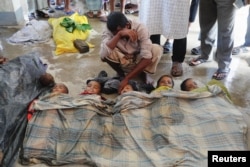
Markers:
130,34
123,83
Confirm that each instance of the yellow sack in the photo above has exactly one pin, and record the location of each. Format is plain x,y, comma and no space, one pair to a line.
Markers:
63,39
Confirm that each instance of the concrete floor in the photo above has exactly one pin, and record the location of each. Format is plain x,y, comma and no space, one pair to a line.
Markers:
75,68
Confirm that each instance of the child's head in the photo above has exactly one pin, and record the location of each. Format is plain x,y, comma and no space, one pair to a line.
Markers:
93,86
165,80
188,85
47,79
60,88
131,86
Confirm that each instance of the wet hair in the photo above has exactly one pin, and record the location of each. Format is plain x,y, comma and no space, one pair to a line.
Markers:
115,20
183,84
159,80
47,79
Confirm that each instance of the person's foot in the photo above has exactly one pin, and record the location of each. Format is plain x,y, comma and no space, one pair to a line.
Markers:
220,75
176,69
240,49
196,50
167,47
102,74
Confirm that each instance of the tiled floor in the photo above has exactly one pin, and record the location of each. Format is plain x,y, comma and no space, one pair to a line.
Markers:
75,69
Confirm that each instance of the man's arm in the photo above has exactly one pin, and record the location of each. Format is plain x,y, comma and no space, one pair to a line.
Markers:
128,33
136,71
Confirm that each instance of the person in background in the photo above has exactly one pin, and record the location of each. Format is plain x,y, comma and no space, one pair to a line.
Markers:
243,48
66,7
164,18
126,47
222,12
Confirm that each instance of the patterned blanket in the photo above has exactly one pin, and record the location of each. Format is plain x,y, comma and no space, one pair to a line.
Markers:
170,128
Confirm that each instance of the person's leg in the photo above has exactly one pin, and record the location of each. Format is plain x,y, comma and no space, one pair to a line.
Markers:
179,52
112,5
116,67
123,3
156,39
207,19
226,18
247,36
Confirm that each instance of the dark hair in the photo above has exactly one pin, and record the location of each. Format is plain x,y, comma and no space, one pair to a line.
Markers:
47,79
133,85
169,76
115,20
96,80
183,84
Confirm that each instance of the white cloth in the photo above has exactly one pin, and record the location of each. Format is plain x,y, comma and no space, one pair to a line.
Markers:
165,17
34,32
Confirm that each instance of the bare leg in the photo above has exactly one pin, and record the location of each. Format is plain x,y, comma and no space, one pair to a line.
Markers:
123,3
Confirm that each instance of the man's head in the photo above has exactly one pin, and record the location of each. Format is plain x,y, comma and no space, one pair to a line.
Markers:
116,21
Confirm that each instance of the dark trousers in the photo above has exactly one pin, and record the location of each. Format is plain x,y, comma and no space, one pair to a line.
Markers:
179,47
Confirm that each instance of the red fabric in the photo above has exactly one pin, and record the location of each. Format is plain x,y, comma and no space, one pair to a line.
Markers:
30,110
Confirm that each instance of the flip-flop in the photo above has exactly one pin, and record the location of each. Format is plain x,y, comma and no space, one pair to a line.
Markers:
69,13
219,75
197,61
59,8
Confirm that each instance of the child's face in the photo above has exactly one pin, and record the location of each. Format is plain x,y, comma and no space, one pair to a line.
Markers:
59,88
191,85
93,87
166,81
127,88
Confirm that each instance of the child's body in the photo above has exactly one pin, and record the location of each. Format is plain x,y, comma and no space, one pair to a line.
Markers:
58,88
190,85
165,82
131,86
93,87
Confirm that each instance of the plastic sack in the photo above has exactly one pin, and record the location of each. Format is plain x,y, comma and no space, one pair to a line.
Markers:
63,39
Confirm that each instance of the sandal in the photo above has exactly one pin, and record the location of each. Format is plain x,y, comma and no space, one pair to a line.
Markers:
176,69
90,14
196,50
197,61
219,75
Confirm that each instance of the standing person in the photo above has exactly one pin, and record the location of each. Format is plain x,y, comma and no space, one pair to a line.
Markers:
222,11
170,19
112,8
243,48
127,48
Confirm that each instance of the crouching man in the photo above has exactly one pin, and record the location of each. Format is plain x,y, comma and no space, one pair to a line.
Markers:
127,48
